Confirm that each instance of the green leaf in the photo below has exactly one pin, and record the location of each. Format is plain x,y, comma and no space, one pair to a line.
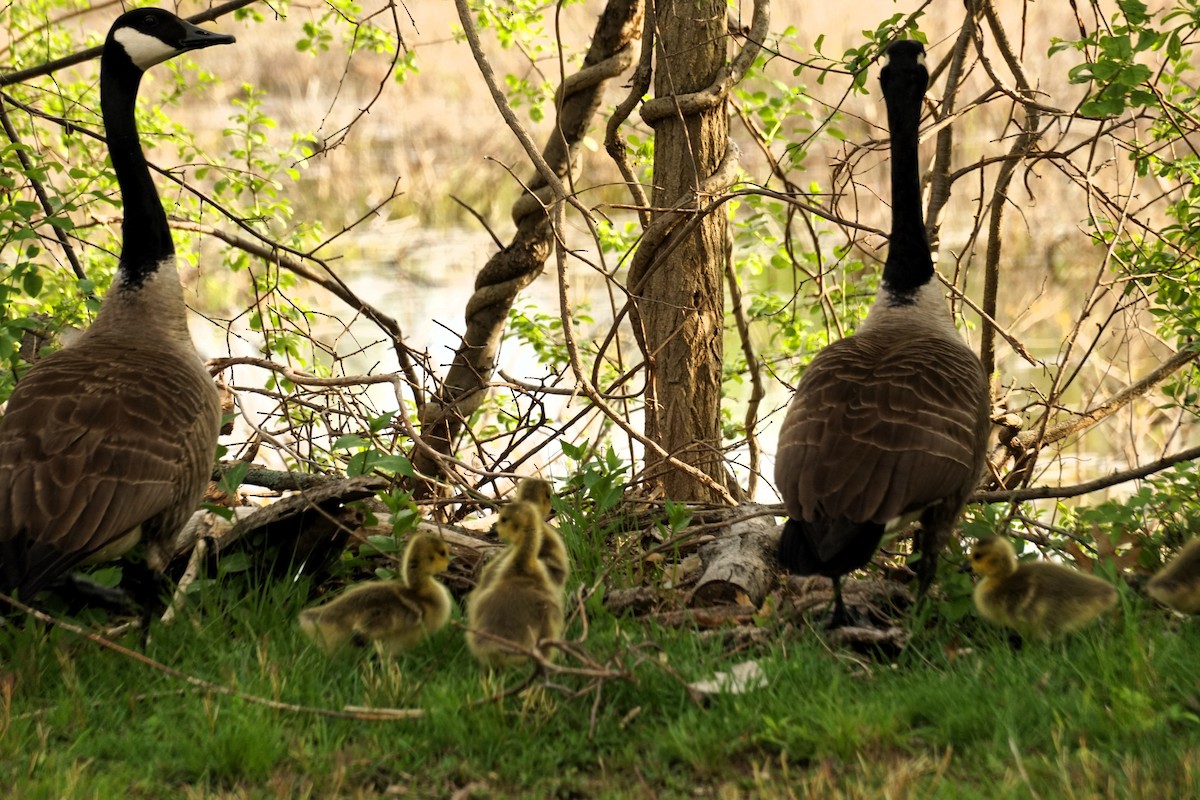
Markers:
349,441
232,476
32,283
233,563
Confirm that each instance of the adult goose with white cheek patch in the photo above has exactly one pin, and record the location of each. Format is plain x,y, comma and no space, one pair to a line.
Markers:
109,442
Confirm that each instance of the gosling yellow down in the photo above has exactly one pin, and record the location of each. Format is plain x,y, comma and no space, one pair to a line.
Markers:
395,616
1178,583
553,551
1038,599
519,604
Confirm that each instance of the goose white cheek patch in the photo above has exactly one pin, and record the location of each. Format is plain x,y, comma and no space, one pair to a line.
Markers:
145,51
887,59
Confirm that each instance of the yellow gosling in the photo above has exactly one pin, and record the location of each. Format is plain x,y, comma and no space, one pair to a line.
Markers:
393,615
518,605
1178,583
1037,599
553,551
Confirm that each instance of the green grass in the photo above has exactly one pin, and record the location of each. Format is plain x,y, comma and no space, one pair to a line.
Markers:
1110,713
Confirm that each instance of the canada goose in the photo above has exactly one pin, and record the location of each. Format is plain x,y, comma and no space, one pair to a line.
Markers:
110,440
519,604
1178,583
394,615
891,422
553,552
1037,599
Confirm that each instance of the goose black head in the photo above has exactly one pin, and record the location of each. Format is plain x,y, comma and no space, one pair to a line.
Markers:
904,69
149,36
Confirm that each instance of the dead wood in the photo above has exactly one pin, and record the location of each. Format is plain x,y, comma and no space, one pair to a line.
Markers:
635,600
708,617
880,600
303,532
887,642
739,566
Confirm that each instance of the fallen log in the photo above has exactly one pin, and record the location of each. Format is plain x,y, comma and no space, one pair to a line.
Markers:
740,566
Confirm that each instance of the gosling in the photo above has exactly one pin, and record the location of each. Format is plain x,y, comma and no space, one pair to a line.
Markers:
1178,583
1038,600
553,552
518,605
392,615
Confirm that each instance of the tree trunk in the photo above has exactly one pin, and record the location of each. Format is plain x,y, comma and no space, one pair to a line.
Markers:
680,298
614,48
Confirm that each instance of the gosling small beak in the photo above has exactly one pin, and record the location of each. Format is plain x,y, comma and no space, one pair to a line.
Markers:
965,567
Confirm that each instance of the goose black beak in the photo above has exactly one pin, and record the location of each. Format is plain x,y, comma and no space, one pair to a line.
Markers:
196,37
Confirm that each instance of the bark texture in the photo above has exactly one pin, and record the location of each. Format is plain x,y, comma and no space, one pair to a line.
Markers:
679,310
613,50
740,565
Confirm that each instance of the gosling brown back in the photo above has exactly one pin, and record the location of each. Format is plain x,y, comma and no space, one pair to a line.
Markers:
1177,585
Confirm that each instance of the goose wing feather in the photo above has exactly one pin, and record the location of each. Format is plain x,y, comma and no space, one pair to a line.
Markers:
880,428
83,462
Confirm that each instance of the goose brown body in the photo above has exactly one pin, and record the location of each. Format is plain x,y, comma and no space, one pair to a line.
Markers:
1178,583
1037,599
519,606
873,434
890,423
395,616
110,441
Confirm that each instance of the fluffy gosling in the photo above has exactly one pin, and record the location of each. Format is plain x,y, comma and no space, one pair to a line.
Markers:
519,604
395,616
1037,599
553,551
1178,583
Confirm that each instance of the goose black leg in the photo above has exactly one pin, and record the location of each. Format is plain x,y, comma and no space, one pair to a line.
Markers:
840,618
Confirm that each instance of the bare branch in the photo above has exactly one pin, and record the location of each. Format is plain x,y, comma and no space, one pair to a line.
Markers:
1117,478
50,67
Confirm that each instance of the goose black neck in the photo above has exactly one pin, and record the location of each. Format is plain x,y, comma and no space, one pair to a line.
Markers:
909,265
145,236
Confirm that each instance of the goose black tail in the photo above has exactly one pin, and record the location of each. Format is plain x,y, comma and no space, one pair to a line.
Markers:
796,553
849,546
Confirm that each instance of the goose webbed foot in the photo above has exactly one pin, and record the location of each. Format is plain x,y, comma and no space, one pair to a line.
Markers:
151,590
